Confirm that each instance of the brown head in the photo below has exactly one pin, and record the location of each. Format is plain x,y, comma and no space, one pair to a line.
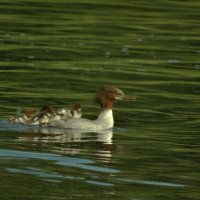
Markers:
108,94
76,107
46,109
76,111
29,113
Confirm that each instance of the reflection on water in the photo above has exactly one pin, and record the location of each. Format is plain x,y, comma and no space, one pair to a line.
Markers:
47,136
51,135
36,134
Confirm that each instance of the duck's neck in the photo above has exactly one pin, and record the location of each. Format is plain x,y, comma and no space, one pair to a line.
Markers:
106,113
106,118
107,105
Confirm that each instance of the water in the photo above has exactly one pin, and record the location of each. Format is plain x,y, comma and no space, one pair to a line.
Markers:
60,53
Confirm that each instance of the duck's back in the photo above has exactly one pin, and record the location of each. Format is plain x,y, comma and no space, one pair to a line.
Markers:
84,124
81,124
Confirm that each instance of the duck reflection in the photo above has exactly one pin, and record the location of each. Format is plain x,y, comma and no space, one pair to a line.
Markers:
52,134
71,142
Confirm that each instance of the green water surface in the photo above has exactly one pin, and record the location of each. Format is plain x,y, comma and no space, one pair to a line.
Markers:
59,53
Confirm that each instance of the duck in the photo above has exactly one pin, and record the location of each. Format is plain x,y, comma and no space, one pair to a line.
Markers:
41,117
105,97
23,118
75,111
64,114
47,115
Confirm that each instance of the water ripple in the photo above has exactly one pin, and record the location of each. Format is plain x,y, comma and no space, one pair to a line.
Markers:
60,160
153,183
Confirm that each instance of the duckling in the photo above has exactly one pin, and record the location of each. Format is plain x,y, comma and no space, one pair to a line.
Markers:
76,111
23,118
65,114
42,117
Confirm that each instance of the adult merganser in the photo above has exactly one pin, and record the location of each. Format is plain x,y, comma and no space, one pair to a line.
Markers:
105,97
